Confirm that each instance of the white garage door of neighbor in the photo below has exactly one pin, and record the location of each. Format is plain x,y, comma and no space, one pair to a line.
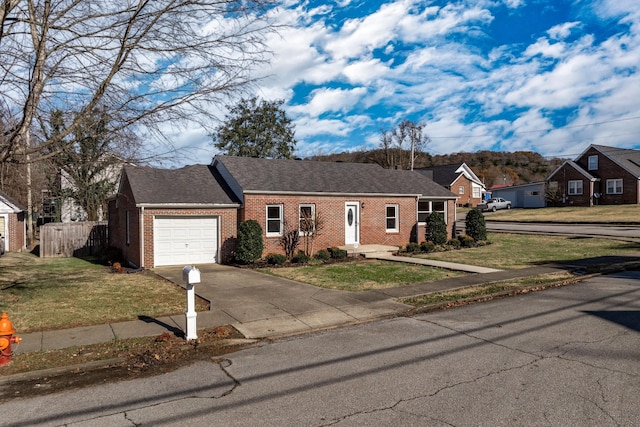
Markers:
185,240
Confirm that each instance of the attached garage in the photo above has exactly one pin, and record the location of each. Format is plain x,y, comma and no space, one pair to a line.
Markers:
185,240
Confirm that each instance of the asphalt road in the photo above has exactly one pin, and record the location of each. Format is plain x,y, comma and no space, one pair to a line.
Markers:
567,356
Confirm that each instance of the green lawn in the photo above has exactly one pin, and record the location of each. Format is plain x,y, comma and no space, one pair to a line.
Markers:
362,274
596,214
508,251
54,293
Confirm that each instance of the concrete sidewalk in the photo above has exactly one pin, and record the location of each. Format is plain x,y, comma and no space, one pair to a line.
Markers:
262,306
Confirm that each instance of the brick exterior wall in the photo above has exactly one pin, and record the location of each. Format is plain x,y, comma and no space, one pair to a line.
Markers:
606,170
466,197
331,211
16,232
132,250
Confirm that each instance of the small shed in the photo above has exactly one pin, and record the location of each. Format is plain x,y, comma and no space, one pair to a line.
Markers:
529,195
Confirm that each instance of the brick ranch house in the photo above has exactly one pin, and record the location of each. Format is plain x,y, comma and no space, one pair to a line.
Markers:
460,180
191,215
601,175
12,223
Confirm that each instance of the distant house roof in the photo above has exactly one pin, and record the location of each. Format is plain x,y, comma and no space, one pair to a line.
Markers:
445,175
626,158
10,203
575,166
257,175
190,185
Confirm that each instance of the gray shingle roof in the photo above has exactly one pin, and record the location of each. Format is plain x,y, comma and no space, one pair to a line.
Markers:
255,175
626,158
443,175
196,184
18,207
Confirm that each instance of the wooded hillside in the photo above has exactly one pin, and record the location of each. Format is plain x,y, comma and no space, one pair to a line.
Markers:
493,167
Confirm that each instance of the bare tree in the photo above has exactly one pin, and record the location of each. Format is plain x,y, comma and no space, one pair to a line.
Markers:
400,147
147,62
312,224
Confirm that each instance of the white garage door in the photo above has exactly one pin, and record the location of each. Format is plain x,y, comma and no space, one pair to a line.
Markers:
180,240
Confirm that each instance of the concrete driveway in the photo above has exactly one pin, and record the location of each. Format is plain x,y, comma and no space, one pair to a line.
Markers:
259,305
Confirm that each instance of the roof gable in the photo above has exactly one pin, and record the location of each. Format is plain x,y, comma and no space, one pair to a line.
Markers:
625,158
195,184
573,165
258,175
8,204
446,175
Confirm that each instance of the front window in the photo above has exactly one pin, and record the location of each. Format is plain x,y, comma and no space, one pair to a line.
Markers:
425,207
614,186
274,220
307,219
392,217
575,187
461,190
593,163
476,191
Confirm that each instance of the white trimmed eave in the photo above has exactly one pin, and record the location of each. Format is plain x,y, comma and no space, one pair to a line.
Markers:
316,193
187,205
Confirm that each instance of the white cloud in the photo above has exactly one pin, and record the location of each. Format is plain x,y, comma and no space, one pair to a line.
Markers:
562,31
331,100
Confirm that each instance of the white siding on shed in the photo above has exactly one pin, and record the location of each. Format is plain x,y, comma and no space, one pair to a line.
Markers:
184,240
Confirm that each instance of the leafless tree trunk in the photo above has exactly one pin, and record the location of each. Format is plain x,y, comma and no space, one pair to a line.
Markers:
147,62
401,146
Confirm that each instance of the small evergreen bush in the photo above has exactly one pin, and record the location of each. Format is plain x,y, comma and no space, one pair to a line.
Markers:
300,258
337,253
466,241
275,259
475,225
436,228
249,246
413,247
322,255
454,243
427,247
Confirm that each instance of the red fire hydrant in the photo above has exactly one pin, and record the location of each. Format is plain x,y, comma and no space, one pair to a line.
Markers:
7,338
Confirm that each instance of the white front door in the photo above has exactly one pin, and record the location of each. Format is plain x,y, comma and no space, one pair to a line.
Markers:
351,224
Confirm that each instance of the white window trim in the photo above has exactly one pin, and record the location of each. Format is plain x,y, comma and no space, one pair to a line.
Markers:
267,219
396,218
575,188
476,191
313,215
592,163
614,186
461,189
444,212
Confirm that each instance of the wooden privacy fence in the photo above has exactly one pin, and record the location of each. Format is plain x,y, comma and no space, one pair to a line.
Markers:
59,239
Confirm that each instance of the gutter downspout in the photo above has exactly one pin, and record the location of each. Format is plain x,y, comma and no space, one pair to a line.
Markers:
141,232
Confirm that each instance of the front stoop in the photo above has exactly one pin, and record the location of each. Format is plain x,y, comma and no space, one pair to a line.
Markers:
370,251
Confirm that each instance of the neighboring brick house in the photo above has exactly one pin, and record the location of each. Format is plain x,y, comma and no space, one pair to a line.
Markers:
460,180
601,175
12,223
357,204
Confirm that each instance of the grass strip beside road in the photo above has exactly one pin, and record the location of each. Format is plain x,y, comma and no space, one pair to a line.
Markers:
362,275
57,293
618,214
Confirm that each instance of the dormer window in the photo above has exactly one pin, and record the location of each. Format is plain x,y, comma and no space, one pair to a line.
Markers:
593,163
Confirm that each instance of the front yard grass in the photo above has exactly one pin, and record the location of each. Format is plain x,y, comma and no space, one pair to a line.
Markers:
509,251
620,214
362,275
55,293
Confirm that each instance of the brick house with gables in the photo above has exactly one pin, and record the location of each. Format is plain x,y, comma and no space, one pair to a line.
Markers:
601,175
460,180
191,215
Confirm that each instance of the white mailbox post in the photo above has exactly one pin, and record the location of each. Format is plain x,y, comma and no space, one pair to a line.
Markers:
191,275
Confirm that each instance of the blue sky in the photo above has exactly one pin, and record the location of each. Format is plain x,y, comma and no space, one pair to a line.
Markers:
549,76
